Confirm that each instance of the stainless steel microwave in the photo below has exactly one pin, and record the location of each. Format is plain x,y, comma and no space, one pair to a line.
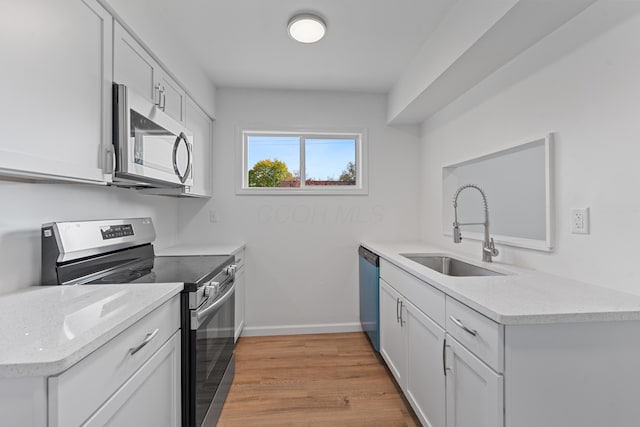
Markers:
151,148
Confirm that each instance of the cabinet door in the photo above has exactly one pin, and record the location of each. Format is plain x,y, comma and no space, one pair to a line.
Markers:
151,397
240,297
425,367
474,390
56,88
392,338
200,124
133,66
174,98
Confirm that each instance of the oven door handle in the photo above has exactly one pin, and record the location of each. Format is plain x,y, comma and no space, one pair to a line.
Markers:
198,316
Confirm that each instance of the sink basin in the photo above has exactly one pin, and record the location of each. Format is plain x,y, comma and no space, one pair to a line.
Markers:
450,266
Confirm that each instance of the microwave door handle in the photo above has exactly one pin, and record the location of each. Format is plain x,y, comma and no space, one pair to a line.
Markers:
182,137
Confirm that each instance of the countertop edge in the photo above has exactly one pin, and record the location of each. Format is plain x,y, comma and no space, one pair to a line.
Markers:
57,367
202,249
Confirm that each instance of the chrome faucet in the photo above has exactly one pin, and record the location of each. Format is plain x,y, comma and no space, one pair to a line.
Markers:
488,247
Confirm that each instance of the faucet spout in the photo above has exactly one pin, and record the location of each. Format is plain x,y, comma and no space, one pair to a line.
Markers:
488,247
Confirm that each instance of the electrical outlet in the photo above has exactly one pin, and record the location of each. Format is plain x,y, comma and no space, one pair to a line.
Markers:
580,221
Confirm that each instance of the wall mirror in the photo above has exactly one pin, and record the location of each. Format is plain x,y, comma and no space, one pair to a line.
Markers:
517,183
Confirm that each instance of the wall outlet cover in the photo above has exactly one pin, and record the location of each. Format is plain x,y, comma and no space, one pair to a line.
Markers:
580,221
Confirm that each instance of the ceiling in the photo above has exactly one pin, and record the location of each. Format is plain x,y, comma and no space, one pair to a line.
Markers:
244,43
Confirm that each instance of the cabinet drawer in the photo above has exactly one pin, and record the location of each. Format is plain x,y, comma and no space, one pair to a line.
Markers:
481,335
422,295
75,394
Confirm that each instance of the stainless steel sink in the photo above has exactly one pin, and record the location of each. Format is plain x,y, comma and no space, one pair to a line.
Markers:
450,266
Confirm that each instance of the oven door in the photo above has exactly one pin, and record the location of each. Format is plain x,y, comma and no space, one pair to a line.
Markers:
150,146
211,353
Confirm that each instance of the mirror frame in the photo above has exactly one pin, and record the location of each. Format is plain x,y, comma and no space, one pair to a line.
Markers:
536,244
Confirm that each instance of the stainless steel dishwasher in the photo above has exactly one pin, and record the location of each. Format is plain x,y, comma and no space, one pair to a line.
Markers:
369,278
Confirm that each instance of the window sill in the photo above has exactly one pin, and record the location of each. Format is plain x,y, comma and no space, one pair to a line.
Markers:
301,192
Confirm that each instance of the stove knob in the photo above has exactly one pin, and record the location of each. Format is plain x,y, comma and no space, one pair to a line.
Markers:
211,289
231,269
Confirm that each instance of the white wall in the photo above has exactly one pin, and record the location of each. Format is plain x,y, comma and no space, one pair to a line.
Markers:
301,250
582,84
25,207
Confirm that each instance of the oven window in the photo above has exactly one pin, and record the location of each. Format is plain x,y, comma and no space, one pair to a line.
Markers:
214,349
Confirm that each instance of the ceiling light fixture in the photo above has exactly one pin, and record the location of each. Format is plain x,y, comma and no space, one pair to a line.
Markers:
306,28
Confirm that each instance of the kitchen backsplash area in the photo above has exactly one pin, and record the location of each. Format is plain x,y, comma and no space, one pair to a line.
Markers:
27,206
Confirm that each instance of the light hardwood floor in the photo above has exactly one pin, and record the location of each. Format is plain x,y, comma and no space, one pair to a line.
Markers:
313,380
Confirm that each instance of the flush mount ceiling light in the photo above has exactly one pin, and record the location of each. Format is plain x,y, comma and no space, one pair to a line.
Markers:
306,28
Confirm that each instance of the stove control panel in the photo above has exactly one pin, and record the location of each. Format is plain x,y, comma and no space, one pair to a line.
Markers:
115,231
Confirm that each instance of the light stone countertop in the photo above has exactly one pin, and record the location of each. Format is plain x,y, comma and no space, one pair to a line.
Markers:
44,330
522,296
202,249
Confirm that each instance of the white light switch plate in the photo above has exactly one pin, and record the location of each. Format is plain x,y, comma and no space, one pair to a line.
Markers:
580,221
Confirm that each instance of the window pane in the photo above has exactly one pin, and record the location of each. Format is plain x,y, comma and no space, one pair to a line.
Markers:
330,162
273,161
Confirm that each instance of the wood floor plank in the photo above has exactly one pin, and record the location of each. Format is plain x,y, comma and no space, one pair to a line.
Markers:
313,381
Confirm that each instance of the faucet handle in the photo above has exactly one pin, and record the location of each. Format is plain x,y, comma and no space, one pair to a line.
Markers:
457,236
492,248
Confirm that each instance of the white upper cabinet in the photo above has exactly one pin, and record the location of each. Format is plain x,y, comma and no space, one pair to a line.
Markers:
202,127
173,97
56,88
134,67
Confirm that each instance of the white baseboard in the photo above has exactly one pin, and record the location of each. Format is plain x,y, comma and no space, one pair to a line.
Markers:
328,328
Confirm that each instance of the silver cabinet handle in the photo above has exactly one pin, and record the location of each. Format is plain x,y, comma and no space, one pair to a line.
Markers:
157,90
402,321
444,356
147,340
164,99
397,311
460,324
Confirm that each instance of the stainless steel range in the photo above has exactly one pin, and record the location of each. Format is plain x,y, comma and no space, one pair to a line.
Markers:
121,251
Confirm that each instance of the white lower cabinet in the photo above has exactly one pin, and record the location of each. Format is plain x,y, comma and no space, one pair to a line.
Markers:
393,347
412,345
552,374
241,291
425,370
121,370
154,386
445,383
132,380
474,390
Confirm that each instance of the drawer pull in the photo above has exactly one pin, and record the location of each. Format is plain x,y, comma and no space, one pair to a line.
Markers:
147,340
460,324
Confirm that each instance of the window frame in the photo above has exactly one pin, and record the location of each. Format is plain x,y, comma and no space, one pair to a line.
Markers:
361,160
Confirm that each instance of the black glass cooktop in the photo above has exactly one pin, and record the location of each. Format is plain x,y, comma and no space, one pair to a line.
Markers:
165,269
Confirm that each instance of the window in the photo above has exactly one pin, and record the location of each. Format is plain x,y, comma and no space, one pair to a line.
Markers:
302,163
